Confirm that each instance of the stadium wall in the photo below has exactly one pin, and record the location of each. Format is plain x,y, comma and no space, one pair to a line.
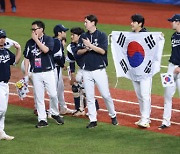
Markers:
174,2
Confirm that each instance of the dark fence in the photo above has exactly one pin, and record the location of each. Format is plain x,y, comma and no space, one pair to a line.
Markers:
174,2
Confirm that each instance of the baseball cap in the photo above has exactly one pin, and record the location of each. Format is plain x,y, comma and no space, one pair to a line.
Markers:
2,33
176,17
59,28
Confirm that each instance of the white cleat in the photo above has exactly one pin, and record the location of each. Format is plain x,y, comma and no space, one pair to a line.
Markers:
143,125
79,113
4,136
66,111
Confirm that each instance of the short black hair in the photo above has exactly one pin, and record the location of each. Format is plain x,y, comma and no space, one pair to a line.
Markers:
92,18
39,23
77,30
138,18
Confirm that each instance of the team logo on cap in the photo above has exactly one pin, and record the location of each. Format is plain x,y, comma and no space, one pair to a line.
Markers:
135,54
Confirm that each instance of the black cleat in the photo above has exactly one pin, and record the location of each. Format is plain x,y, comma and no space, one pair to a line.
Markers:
59,120
162,127
41,124
114,121
92,124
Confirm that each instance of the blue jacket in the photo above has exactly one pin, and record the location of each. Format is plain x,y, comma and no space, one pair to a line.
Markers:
92,59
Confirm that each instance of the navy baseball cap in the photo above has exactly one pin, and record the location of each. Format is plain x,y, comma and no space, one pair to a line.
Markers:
2,34
59,28
176,17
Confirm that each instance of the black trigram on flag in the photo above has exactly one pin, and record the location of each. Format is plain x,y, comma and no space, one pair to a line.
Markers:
124,66
121,39
148,67
150,41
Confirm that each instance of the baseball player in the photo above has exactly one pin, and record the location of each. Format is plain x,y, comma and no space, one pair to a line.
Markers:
173,68
77,81
39,53
7,58
59,59
142,87
93,46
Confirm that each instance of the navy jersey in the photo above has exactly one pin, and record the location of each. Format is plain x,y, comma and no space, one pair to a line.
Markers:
175,53
40,61
73,57
7,58
58,53
92,59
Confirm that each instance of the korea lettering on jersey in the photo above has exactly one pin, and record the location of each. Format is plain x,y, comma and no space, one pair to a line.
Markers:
136,55
4,58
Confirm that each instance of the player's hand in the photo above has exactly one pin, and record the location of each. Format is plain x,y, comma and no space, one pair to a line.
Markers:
17,46
34,36
177,70
87,42
65,68
73,79
26,79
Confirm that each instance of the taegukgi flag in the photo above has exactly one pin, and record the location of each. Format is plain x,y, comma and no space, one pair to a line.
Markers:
167,79
136,55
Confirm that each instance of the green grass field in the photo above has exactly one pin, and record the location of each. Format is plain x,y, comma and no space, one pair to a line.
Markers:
74,138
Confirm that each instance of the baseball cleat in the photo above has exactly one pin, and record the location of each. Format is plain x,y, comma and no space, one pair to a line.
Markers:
114,121
66,111
58,119
79,113
92,124
41,124
143,125
4,136
162,127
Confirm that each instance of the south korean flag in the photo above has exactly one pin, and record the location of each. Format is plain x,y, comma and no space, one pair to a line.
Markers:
136,55
167,80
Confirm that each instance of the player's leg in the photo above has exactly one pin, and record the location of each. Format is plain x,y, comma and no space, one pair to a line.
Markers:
101,80
4,95
3,6
168,95
145,89
90,93
60,92
13,5
136,85
50,85
39,91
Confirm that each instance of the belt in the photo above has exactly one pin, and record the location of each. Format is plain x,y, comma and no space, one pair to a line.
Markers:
4,81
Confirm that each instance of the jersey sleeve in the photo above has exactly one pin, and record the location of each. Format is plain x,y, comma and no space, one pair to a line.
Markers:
103,41
50,43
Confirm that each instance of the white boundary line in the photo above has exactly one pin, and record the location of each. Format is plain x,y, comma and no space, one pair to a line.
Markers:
116,100
104,110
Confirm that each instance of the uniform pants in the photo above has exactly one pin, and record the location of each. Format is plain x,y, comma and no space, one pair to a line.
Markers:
168,95
98,77
60,87
143,93
42,81
4,96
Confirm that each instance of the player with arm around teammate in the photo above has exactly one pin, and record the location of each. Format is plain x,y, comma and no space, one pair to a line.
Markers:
38,52
173,68
93,45
77,80
7,58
